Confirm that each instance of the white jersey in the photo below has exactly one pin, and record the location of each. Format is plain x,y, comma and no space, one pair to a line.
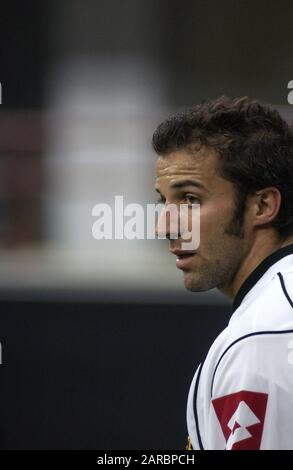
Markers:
241,396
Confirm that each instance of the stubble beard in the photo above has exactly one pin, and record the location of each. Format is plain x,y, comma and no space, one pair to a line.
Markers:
219,270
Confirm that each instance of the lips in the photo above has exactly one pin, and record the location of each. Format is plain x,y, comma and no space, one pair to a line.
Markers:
184,260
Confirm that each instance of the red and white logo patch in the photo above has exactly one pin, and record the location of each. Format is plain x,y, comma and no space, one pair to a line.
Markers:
241,416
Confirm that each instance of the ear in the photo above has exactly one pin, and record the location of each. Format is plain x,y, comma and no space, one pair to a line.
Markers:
266,205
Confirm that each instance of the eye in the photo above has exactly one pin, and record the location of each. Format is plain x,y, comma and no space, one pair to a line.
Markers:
192,199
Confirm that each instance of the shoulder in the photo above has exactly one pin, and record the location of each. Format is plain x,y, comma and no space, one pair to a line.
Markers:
270,307
259,336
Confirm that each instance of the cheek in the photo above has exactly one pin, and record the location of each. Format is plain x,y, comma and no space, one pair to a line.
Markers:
213,219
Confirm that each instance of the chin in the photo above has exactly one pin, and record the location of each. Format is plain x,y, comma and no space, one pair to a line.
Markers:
195,285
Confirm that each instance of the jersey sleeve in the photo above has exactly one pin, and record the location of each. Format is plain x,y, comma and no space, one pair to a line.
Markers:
251,403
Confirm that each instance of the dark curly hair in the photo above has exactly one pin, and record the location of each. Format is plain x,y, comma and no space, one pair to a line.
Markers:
253,142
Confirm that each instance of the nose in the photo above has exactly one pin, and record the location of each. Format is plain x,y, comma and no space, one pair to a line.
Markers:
162,227
167,226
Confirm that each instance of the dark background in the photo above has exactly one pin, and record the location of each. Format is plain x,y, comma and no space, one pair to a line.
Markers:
102,375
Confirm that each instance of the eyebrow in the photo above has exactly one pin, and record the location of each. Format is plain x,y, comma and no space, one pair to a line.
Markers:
188,182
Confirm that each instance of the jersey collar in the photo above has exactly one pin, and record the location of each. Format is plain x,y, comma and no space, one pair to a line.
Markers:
259,272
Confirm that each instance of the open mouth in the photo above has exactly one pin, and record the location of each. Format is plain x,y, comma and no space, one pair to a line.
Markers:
185,255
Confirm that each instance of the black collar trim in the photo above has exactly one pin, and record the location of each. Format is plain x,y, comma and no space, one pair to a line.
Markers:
259,272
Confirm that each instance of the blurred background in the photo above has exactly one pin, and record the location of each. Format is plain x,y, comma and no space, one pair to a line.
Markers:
99,338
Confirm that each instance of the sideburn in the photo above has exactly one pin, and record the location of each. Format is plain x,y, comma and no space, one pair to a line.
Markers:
236,225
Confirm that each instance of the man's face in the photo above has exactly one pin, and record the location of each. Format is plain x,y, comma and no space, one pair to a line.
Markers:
188,178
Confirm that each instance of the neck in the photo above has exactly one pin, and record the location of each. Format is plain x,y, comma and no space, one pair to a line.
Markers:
261,249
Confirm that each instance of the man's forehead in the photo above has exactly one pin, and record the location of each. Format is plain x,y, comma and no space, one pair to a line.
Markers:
201,163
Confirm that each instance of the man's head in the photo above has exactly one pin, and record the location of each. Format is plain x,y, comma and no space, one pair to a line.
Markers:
236,158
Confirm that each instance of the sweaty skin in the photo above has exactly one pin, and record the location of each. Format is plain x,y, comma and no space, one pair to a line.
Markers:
223,259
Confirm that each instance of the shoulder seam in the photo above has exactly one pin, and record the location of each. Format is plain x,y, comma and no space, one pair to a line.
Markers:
195,408
257,333
284,289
